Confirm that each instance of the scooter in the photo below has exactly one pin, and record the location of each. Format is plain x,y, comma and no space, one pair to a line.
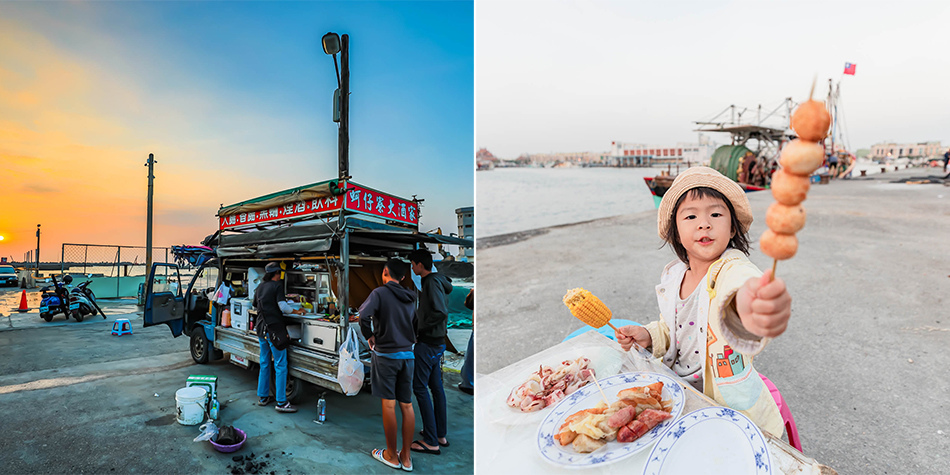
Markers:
55,300
82,302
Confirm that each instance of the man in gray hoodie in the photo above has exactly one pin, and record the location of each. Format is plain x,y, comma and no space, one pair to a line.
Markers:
431,320
386,321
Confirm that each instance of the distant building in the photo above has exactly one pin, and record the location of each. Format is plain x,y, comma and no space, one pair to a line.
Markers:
466,217
906,150
580,159
624,154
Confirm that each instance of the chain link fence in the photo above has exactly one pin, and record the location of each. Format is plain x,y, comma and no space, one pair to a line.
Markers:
116,271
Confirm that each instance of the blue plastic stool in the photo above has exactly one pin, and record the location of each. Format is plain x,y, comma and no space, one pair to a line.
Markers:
604,330
122,326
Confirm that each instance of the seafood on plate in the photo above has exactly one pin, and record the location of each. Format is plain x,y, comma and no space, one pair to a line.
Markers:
548,386
638,410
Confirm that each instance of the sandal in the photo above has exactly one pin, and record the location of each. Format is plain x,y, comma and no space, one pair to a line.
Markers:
446,444
423,449
405,468
378,455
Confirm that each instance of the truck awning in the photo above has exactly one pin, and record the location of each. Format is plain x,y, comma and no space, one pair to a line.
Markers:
319,236
300,193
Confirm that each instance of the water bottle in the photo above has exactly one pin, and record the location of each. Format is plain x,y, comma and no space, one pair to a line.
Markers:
213,410
321,409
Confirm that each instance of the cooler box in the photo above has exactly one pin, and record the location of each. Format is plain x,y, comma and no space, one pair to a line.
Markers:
255,275
208,382
239,313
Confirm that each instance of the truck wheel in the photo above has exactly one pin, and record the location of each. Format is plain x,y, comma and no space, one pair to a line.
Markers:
294,387
46,316
77,315
200,351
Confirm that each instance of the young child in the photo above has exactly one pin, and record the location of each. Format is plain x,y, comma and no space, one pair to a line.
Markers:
717,309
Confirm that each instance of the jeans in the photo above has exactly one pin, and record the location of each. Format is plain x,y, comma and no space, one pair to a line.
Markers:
468,368
280,367
428,378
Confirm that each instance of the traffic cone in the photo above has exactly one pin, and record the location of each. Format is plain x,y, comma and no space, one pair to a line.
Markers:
23,307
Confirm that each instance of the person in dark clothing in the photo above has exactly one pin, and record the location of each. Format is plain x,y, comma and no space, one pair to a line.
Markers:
946,161
387,322
271,305
467,385
431,320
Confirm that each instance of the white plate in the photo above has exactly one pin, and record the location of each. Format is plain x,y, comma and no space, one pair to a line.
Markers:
603,360
712,440
588,397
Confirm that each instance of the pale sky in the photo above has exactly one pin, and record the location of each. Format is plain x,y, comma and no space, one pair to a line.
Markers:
569,76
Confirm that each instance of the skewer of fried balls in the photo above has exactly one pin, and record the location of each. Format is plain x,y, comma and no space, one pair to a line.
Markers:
790,184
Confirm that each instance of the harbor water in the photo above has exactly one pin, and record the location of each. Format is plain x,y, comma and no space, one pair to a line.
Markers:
510,200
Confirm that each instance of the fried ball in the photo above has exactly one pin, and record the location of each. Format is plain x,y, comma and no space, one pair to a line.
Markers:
802,158
785,219
789,189
811,120
778,246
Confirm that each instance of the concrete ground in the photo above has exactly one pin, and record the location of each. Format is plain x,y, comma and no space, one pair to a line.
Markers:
863,364
75,399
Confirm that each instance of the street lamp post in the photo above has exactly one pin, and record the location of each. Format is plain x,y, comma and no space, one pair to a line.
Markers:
333,44
37,250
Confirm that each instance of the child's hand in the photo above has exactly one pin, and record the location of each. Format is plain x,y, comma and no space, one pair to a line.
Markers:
764,307
631,334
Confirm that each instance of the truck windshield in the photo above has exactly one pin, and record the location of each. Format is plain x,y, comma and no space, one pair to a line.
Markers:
7,270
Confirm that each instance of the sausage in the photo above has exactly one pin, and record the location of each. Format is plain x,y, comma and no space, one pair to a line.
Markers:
637,428
622,417
651,417
625,435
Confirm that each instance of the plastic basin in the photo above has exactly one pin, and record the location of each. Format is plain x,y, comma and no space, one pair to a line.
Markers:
230,448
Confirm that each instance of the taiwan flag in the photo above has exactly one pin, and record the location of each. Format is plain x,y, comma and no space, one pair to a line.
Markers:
849,68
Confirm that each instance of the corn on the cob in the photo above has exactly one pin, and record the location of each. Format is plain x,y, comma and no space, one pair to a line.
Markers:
587,307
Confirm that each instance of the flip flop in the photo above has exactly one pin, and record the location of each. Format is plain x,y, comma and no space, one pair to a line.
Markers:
404,468
424,449
423,434
378,455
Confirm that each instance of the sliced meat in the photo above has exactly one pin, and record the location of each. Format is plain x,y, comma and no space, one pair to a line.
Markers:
656,390
638,428
565,436
625,435
652,417
622,417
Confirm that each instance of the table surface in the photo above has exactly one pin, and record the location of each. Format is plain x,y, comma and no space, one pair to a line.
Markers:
506,439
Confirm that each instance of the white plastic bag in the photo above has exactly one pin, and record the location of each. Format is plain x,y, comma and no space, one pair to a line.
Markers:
222,295
350,374
208,431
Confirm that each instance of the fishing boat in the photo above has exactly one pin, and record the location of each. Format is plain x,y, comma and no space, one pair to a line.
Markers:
752,156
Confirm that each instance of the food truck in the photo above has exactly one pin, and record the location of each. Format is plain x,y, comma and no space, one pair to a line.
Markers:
331,238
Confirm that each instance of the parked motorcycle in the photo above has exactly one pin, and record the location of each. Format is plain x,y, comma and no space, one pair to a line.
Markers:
55,299
82,302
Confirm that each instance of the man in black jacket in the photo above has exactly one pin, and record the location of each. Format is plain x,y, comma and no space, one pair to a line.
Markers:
431,320
386,321
271,306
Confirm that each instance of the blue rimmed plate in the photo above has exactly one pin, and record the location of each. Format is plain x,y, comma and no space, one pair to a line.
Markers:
588,397
711,440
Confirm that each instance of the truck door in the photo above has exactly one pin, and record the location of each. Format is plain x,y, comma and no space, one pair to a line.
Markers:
164,302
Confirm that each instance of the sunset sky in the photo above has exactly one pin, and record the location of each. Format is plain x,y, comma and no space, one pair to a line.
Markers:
234,100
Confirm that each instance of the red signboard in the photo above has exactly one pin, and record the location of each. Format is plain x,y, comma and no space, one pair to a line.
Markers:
357,198
375,203
281,212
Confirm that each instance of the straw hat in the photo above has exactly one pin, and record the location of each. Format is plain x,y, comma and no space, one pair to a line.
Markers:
698,177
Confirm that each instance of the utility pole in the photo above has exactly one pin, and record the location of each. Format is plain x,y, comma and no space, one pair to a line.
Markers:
148,225
37,250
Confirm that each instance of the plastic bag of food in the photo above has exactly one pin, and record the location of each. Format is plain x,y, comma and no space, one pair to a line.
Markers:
350,374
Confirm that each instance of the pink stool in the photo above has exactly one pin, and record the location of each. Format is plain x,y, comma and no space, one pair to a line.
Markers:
786,413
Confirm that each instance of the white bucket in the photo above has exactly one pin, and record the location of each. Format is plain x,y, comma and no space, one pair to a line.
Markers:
191,405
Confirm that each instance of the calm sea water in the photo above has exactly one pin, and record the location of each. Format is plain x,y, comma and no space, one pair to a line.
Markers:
518,199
